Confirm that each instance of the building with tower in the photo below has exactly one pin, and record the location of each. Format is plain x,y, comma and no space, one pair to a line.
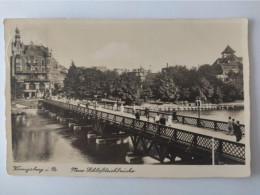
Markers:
34,69
229,61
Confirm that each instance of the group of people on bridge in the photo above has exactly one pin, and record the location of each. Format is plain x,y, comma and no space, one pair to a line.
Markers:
234,129
159,118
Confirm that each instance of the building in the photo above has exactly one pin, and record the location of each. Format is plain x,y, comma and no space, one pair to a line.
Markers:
34,68
229,61
101,68
164,70
120,71
141,72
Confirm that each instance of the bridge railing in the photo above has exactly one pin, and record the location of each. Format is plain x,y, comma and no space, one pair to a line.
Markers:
170,134
188,120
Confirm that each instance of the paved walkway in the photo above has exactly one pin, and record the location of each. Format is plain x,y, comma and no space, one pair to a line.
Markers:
190,128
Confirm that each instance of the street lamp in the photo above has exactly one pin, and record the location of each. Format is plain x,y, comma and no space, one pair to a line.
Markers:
95,96
198,102
105,94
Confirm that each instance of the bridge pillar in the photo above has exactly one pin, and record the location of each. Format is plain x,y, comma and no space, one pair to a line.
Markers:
112,139
53,116
65,120
133,158
58,118
76,127
91,135
71,125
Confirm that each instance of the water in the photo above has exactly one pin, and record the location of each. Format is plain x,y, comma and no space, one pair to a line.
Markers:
219,115
36,138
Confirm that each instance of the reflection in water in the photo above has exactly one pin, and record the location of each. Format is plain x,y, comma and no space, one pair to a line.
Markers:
38,139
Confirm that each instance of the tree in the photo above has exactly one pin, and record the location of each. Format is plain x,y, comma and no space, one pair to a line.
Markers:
57,89
72,81
164,88
174,84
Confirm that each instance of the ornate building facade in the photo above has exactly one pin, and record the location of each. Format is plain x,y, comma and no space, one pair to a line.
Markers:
34,69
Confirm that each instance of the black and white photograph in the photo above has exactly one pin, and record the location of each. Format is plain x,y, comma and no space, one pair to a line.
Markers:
127,98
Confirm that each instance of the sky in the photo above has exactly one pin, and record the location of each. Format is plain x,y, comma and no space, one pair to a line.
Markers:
130,43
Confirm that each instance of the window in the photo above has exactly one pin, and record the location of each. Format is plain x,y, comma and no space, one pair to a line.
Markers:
17,59
42,62
17,68
31,86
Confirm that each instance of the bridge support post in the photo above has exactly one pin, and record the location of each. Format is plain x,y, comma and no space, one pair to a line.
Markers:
53,115
76,127
133,158
58,118
91,135
71,125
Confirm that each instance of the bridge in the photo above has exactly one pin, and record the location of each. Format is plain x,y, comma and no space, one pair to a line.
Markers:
160,142
186,120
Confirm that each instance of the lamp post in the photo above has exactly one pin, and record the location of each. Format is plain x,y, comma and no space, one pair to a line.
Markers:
105,94
198,102
117,99
95,96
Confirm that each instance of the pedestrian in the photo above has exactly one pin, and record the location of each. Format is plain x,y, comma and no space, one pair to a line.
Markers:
233,124
146,113
163,120
237,131
122,108
114,107
137,115
174,115
169,120
157,118
230,126
133,109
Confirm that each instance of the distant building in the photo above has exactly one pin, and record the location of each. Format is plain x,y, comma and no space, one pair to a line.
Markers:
140,72
229,61
120,70
166,69
34,68
101,68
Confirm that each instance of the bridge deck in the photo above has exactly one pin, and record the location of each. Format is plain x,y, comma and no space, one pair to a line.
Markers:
194,129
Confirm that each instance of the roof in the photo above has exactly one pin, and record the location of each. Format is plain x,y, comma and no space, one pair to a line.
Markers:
36,49
228,49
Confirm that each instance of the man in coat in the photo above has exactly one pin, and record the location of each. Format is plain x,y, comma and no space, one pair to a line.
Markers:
163,120
237,131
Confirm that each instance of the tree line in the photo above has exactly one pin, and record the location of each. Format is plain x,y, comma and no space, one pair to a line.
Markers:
177,83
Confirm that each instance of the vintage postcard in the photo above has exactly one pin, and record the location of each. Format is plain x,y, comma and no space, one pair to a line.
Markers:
127,98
